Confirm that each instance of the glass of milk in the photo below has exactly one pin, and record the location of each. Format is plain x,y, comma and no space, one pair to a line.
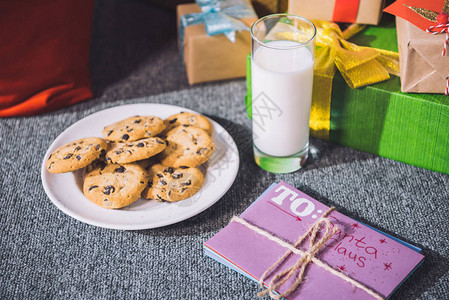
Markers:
282,57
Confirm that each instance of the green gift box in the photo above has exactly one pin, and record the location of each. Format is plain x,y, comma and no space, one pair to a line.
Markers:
380,119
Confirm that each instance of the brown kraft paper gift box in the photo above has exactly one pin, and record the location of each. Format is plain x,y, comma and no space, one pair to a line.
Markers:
423,68
211,58
369,11
266,7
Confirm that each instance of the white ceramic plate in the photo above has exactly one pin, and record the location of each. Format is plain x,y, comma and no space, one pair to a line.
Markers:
65,190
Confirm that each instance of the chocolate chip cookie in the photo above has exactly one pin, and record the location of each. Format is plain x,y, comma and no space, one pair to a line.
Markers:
128,152
115,185
188,118
134,128
187,146
76,155
168,184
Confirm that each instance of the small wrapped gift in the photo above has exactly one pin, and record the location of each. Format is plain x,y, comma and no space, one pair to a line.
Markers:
265,7
348,11
215,39
422,49
423,68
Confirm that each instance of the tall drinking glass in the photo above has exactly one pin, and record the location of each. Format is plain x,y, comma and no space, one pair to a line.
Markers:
282,57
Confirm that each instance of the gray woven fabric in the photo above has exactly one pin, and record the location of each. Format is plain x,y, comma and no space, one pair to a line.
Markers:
45,254
48,254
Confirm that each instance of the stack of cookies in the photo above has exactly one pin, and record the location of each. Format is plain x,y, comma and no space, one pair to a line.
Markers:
140,157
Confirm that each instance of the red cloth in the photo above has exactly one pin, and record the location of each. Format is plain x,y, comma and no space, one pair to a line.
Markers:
44,55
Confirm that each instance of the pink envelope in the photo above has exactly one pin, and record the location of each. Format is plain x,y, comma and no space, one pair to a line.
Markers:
373,259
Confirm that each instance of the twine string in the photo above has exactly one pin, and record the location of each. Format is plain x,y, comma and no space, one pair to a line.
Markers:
302,262
306,257
441,28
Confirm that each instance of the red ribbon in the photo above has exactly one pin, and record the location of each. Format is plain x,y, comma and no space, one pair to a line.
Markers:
441,28
345,11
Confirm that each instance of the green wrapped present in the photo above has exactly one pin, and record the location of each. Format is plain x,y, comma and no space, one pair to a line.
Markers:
380,119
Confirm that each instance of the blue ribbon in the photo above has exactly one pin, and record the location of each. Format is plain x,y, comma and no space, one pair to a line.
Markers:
219,17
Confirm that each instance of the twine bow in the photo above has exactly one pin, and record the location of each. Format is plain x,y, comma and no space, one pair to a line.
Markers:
314,246
219,17
306,257
437,29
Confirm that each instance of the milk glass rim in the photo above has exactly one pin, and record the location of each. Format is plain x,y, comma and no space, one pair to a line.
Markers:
300,45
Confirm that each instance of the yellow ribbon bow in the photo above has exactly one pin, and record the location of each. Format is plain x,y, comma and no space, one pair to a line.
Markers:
359,66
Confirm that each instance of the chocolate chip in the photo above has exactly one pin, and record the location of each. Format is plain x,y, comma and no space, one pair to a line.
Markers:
121,169
183,189
49,157
188,182
102,153
93,187
172,120
137,121
125,137
159,175
49,166
160,142
160,198
78,157
140,145
141,182
177,176
183,167
201,151
68,156
129,152
109,189
77,148
105,200
150,183
103,165
130,145
129,130
109,133
195,141
97,147
119,152
182,112
163,182
169,170
148,133
169,193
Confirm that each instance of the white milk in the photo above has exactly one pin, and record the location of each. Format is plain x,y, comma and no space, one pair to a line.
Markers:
281,98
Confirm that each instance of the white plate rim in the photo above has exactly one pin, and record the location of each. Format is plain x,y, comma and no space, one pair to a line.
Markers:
225,186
